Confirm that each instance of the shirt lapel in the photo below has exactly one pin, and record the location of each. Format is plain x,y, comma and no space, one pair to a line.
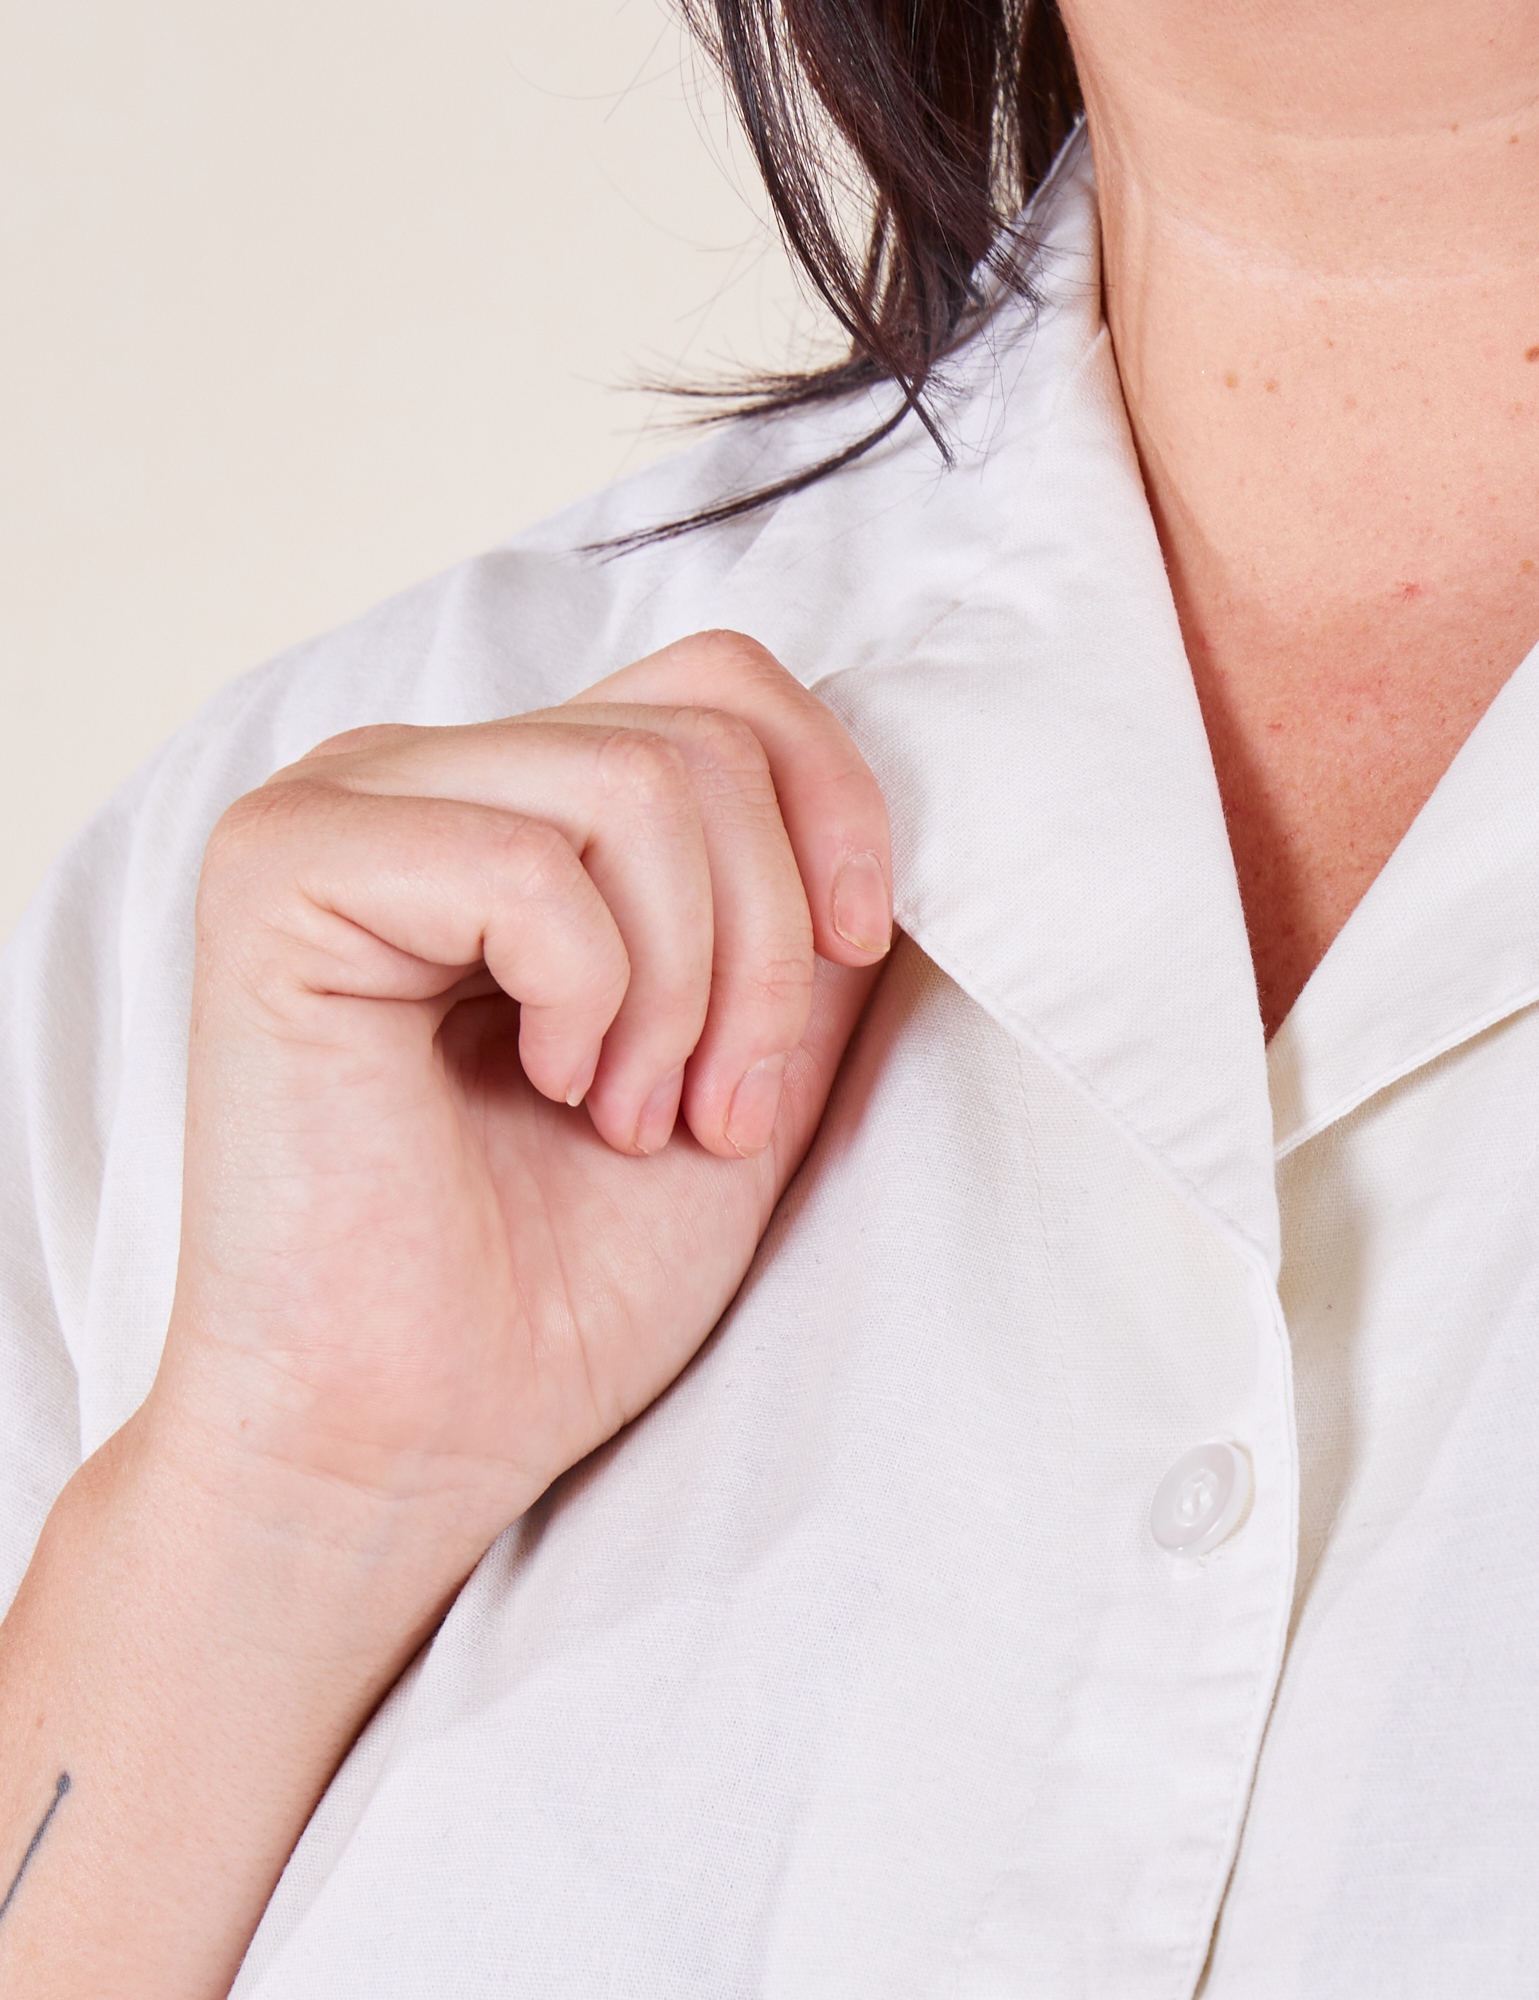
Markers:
1002,642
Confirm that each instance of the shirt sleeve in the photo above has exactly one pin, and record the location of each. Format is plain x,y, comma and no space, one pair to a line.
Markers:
59,1041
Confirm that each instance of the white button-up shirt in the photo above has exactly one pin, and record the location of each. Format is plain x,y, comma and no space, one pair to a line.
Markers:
854,1667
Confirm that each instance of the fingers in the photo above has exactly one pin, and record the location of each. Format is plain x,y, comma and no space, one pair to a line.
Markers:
724,821
313,896
762,961
618,804
832,807
677,827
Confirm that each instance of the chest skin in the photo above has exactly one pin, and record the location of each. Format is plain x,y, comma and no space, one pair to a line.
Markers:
1324,758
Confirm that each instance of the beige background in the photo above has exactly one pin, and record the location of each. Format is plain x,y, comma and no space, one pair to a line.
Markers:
303,301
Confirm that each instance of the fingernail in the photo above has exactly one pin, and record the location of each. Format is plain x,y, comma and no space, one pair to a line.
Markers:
582,1082
755,1106
862,913
655,1124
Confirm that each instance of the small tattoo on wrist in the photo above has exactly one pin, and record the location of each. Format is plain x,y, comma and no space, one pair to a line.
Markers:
35,1843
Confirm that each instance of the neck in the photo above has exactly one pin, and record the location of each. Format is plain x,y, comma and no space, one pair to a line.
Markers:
1320,238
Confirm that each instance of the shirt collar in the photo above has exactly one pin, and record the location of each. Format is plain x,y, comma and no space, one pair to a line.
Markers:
1002,642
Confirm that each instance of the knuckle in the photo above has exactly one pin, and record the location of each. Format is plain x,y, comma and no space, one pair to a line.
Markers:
782,986
252,916
728,741
249,835
535,860
642,769
729,651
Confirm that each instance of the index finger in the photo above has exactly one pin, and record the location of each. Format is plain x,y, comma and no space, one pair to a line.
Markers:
834,813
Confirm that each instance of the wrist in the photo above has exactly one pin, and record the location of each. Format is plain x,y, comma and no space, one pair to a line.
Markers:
266,1561
357,1480
197,1647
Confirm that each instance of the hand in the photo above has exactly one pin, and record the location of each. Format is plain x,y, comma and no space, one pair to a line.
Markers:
417,1279
505,1041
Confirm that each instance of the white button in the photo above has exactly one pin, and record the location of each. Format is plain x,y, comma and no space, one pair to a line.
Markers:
1201,1498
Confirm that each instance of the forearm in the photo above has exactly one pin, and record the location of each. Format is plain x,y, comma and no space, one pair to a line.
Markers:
195,1663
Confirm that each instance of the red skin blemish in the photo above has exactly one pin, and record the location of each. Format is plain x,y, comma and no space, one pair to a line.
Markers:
1407,591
